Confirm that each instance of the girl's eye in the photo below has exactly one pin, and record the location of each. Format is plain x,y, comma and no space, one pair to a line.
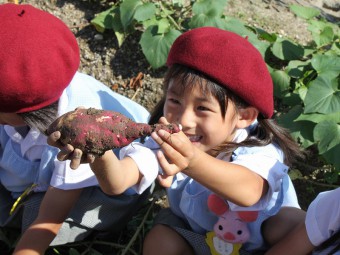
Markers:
173,100
202,108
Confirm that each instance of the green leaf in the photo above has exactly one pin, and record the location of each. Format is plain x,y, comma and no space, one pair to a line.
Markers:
211,8
145,11
291,99
327,135
156,46
296,68
303,92
287,50
323,96
150,22
323,37
301,131
179,3
281,82
163,26
106,19
295,174
110,19
238,27
328,66
202,20
332,157
304,12
264,35
318,117
127,11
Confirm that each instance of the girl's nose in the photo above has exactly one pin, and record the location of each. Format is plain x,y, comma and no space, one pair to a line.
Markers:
187,118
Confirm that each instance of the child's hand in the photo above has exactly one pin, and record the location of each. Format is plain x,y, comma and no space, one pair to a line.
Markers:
179,151
69,152
165,180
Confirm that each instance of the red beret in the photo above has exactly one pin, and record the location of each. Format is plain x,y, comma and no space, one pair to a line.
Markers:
230,60
39,56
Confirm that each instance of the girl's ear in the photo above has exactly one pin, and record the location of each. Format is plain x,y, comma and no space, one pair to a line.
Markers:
246,117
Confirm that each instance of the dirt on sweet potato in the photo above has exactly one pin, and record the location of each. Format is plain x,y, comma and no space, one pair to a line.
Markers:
96,131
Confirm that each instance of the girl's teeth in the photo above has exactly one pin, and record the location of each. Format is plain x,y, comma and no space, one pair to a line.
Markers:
194,138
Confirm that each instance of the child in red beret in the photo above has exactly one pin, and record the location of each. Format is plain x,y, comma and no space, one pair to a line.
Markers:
320,233
219,90
39,58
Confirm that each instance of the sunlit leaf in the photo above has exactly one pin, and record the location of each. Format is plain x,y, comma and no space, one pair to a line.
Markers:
323,96
145,11
327,135
297,68
156,46
215,8
318,117
304,12
287,50
163,26
127,11
326,65
201,20
238,27
106,19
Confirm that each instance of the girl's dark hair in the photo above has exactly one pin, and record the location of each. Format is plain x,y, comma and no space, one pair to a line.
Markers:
42,118
266,132
332,240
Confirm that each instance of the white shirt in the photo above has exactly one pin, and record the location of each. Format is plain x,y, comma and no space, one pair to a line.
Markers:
323,217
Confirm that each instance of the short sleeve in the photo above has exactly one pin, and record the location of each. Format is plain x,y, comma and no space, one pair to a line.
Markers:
144,156
323,216
267,162
65,178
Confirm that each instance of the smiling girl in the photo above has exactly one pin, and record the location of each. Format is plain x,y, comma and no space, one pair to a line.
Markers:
219,90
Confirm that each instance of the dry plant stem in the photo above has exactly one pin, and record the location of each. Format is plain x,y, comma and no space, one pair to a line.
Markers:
134,96
134,237
326,185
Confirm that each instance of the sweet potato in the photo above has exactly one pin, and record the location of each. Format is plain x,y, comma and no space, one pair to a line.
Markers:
96,131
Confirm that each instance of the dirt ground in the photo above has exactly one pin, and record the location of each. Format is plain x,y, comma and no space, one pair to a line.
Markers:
103,59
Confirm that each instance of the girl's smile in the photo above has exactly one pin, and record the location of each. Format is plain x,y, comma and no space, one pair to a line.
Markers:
200,116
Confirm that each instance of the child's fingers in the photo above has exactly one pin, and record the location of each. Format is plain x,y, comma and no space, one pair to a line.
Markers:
65,152
168,169
165,180
76,159
53,140
163,120
177,142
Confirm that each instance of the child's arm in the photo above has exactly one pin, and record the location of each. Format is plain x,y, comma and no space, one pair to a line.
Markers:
114,175
295,243
234,182
53,211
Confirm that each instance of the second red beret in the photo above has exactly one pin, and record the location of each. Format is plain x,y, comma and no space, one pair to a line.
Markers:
230,60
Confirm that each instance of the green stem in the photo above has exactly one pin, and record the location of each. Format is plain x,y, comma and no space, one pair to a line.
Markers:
170,18
134,237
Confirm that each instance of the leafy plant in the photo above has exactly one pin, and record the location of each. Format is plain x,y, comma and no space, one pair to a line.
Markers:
309,85
306,78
